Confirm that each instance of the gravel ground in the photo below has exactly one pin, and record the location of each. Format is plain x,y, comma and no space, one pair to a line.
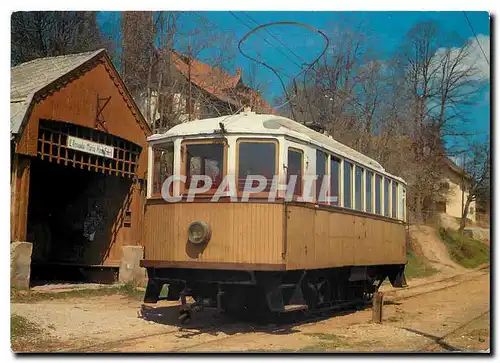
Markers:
118,323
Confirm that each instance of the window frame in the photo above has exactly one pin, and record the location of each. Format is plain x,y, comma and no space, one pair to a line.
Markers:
386,198
301,185
326,176
372,190
158,148
404,195
240,140
362,188
339,181
351,180
183,170
394,199
380,190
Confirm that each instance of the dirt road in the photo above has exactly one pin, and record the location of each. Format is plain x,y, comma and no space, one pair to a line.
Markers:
451,314
434,250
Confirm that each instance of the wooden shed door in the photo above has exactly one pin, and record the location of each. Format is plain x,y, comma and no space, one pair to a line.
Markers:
62,143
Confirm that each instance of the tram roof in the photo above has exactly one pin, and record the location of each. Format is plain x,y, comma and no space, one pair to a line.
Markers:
264,124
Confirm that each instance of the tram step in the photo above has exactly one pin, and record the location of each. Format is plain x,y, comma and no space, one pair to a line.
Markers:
295,307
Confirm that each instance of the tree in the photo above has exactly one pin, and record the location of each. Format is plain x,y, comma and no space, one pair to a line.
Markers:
36,34
477,179
138,33
152,42
397,111
438,82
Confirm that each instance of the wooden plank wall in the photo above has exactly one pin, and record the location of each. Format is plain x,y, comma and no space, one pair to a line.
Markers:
76,102
19,194
241,232
320,238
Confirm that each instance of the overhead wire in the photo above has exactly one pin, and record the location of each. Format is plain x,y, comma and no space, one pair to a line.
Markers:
475,36
303,71
278,40
264,39
263,26
284,73
300,58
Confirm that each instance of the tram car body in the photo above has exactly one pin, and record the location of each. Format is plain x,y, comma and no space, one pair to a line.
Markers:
265,255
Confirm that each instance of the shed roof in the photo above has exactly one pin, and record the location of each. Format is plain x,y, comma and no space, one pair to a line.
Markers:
252,123
31,77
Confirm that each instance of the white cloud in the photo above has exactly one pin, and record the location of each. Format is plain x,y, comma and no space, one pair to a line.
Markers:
475,56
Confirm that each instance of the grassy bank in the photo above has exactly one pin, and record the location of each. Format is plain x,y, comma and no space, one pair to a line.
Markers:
20,327
465,250
25,335
418,266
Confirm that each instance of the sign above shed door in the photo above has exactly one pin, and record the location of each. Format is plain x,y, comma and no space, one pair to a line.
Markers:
90,147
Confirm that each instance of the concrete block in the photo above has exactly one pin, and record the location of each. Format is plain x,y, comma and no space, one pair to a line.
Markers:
130,271
20,262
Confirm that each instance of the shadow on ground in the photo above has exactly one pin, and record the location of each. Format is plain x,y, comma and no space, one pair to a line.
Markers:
210,321
437,340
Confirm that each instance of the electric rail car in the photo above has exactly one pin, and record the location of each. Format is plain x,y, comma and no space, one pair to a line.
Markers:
325,224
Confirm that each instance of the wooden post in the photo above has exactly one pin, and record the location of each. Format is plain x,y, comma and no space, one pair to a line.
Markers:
20,185
378,303
14,181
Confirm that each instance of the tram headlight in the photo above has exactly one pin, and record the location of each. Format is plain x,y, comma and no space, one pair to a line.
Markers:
199,232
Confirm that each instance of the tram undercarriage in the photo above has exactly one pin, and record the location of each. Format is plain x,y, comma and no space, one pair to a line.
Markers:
262,293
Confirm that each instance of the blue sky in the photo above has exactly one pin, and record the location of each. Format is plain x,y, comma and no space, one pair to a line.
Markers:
385,31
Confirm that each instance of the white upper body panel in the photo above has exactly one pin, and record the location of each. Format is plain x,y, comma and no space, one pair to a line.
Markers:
250,123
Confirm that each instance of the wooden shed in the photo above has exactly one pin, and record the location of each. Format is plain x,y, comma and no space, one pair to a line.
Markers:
78,160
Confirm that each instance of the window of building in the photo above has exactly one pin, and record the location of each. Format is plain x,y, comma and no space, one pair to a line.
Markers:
205,159
378,193
294,167
163,166
334,181
347,184
394,199
358,188
369,194
256,158
321,160
387,189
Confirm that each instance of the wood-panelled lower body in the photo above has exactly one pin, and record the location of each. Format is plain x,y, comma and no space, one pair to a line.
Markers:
243,234
269,256
269,236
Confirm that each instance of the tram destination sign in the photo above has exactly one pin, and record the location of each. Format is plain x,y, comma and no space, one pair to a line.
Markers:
90,147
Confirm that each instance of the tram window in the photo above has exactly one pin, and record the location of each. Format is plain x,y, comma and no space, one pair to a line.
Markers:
256,158
334,181
205,159
163,166
294,167
358,191
386,196
402,196
347,184
321,159
394,199
378,185
368,193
